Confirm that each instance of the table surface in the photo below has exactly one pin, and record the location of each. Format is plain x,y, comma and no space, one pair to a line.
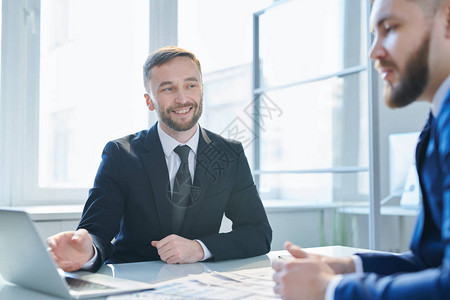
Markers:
158,271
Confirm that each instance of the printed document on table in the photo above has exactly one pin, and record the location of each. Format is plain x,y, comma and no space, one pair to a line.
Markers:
248,284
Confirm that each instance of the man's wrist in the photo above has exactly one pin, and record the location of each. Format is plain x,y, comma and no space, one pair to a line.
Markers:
357,263
89,264
206,253
350,266
341,265
331,288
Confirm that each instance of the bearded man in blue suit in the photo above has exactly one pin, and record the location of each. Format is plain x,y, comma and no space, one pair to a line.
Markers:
161,193
411,49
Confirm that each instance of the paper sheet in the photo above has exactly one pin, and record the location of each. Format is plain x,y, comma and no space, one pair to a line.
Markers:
248,284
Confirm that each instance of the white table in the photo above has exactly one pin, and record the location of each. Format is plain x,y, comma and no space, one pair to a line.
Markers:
158,271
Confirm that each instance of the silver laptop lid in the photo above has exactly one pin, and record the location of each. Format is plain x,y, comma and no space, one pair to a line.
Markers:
24,259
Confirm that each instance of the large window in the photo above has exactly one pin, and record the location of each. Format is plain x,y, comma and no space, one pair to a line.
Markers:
306,139
286,78
0,40
74,82
91,57
312,101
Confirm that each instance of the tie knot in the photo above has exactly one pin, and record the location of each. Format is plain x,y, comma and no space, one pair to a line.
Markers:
183,153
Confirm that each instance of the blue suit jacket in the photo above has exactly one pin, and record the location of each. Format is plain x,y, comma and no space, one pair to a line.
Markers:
130,200
424,272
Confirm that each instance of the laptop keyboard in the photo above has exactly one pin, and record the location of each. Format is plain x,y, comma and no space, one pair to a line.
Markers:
83,285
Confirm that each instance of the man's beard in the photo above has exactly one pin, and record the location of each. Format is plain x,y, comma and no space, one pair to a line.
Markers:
165,118
415,78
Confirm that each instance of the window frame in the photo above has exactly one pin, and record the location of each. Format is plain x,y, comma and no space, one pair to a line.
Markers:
20,110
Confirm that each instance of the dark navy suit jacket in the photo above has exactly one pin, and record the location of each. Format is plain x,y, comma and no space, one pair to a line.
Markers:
424,272
130,201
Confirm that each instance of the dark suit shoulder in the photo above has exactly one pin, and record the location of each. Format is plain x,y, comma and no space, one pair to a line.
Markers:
131,138
128,142
228,145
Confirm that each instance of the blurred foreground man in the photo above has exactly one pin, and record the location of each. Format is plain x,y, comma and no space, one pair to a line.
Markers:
411,50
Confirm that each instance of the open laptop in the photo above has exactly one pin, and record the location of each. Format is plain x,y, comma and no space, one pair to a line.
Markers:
24,261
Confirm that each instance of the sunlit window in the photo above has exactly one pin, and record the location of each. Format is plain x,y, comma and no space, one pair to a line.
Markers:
91,90
1,5
313,102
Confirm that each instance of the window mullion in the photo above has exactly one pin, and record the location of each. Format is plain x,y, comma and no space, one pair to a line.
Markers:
17,108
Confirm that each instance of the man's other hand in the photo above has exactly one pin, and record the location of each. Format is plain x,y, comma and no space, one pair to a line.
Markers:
307,275
339,265
71,249
175,249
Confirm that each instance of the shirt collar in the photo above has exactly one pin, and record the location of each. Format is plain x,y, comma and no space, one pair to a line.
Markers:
169,143
439,97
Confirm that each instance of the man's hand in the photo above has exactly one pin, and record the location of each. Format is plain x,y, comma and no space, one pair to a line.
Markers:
339,265
305,277
175,249
71,249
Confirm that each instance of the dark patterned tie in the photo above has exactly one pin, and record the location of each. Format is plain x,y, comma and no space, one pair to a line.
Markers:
181,188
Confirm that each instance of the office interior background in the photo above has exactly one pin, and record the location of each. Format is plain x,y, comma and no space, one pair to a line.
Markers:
291,80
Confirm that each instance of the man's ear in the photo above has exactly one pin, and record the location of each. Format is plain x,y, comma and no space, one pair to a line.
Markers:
447,19
149,102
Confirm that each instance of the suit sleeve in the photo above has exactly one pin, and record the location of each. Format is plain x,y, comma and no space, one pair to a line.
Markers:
409,277
103,210
444,155
388,263
251,233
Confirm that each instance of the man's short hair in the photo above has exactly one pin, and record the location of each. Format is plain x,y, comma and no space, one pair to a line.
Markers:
429,6
162,56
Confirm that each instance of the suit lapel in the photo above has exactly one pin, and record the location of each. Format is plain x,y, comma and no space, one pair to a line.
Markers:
156,167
